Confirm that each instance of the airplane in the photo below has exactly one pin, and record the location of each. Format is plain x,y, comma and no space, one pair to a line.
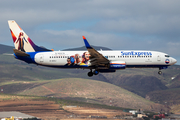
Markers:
103,61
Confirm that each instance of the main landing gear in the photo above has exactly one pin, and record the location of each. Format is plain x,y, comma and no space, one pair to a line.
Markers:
91,73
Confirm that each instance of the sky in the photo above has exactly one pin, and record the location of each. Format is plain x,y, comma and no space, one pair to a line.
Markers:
116,24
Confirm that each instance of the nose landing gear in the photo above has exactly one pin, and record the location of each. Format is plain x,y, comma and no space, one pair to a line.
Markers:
159,72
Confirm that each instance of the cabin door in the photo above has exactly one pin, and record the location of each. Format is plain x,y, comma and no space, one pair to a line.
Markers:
158,58
41,59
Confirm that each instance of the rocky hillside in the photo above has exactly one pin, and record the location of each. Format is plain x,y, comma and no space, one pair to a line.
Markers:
6,49
175,83
169,96
139,84
84,90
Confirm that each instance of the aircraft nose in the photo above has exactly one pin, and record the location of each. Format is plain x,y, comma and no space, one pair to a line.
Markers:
173,61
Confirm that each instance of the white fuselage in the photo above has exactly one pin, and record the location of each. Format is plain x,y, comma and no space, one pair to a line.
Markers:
131,58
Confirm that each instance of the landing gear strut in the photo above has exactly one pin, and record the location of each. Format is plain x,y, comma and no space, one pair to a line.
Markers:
95,72
90,74
159,72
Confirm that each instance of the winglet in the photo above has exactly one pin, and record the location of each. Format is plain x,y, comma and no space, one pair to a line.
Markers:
86,43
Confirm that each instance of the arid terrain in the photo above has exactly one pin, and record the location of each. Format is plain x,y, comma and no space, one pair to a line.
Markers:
48,110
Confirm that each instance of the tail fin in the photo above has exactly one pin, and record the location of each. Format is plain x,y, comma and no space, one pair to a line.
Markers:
21,41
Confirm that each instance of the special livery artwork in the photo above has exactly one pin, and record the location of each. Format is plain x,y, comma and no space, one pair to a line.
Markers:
82,60
21,39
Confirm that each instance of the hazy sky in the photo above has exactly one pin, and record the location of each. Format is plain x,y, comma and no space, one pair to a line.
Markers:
116,24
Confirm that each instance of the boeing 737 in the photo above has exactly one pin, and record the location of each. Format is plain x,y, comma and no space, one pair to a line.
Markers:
96,61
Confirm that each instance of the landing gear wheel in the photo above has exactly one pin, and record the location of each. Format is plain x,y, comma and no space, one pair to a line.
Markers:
159,72
90,74
96,72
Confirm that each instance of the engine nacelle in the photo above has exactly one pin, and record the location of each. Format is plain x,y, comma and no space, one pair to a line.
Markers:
106,70
117,65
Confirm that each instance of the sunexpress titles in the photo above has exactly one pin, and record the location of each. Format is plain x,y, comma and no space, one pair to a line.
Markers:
136,53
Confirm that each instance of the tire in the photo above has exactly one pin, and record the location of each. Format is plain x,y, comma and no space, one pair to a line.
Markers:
90,74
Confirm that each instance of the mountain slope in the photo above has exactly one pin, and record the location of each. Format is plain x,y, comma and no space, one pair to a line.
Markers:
171,96
139,84
6,49
87,91
175,83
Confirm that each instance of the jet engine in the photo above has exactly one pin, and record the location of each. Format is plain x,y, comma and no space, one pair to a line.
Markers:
117,65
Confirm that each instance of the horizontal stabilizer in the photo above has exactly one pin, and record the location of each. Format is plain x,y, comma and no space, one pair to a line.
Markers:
20,53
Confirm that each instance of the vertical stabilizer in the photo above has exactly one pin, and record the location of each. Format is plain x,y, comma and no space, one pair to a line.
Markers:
21,40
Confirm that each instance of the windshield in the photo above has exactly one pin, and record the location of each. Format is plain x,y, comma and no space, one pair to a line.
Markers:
167,56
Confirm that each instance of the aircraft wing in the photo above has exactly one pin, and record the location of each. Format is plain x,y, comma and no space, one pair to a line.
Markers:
96,58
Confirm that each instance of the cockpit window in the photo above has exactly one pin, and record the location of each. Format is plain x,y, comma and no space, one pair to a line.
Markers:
167,56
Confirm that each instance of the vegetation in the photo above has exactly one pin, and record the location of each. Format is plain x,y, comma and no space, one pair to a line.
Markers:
82,90
4,97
